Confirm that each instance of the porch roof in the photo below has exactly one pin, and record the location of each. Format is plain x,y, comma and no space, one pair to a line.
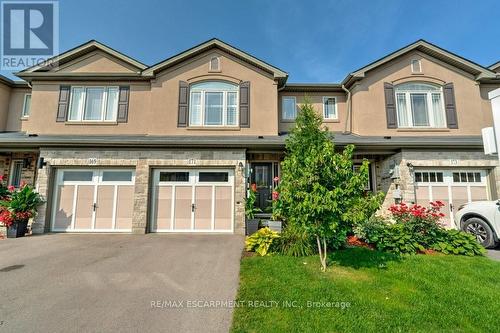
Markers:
21,139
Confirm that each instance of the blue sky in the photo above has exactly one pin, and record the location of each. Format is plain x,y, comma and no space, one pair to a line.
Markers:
314,41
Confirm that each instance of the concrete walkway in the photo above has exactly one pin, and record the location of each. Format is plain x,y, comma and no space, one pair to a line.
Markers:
126,283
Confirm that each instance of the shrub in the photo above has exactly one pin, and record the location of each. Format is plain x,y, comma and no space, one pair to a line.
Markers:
261,241
370,230
295,241
416,229
397,238
457,242
423,222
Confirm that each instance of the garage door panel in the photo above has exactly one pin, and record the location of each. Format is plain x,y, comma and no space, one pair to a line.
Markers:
223,207
203,211
64,207
478,193
451,186
99,200
84,207
105,207
163,208
193,200
440,193
124,206
423,196
183,201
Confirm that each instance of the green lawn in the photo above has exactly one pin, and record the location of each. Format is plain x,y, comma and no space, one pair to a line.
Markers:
432,293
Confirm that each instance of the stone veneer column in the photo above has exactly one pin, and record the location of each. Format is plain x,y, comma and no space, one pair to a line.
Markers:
42,186
239,200
141,192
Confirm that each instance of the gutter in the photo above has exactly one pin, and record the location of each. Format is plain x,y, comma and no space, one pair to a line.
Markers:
349,111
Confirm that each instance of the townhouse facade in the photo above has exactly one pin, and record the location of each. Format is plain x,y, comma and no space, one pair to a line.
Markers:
115,145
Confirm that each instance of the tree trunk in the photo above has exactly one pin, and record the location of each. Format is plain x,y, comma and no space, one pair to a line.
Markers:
322,252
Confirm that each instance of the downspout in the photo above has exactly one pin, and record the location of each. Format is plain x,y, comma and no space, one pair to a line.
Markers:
349,111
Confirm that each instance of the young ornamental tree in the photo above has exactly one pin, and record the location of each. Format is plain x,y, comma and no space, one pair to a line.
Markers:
319,188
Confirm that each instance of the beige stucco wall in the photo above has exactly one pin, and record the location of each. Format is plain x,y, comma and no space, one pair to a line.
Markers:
96,62
4,104
14,121
316,100
368,102
153,106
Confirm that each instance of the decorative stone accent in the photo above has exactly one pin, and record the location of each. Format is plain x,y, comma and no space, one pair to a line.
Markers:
143,161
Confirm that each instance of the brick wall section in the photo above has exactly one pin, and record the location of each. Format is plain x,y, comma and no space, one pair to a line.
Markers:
428,159
143,161
27,174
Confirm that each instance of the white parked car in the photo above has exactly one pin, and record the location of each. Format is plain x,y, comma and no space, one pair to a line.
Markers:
482,219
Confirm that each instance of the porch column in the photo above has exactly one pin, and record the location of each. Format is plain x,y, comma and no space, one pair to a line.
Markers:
42,186
141,192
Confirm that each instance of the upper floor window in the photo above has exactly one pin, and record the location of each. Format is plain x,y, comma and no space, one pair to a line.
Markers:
213,103
420,105
289,108
416,66
93,104
330,108
26,106
214,64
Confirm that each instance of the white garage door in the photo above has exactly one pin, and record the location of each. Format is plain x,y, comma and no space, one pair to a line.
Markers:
452,187
193,200
90,200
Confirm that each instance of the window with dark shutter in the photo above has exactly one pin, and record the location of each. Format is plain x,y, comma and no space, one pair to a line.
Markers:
390,106
123,102
449,106
182,117
245,104
62,110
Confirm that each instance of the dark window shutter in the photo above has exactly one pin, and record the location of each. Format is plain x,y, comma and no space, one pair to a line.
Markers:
182,117
449,106
123,99
390,106
245,104
62,110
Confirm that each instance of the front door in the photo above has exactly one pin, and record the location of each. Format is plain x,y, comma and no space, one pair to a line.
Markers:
262,177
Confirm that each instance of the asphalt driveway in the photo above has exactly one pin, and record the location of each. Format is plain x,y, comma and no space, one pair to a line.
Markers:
494,253
102,283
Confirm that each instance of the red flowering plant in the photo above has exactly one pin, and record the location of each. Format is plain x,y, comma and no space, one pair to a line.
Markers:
276,199
250,209
19,205
423,222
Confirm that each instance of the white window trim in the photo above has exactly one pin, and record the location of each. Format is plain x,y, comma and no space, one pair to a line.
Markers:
11,175
336,115
224,107
419,66
81,111
25,114
430,109
283,107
